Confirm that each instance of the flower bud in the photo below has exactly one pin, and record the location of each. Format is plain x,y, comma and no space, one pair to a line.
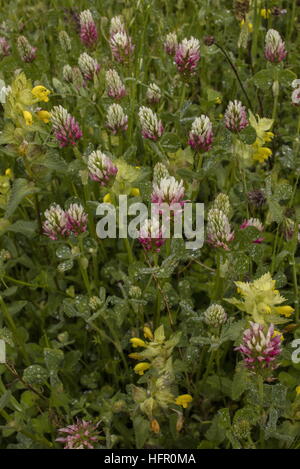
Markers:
64,41
26,51
171,43
222,203
153,94
215,315
219,232
159,172
4,47
89,67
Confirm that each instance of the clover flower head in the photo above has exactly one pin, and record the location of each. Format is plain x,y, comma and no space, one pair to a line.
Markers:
76,219
219,232
171,43
187,56
215,316
25,49
117,120
55,224
65,41
153,94
159,172
88,29
168,191
88,66
116,25
4,47
67,73
80,435
260,348
236,116
296,92
152,127
274,47
66,128
101,168
151,235
115,88
201,134
121,46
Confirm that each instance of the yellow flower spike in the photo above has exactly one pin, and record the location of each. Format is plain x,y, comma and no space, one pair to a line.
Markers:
265,13
140,368
135,192
286,311
298,390
40,93
28,117
9,173
107,199
148,333
136,342
134,356
184,400
44,116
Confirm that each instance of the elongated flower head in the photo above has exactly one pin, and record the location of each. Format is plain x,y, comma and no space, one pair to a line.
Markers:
236,116
159,172
222,203
117,120
274,47
219,232
171,43
168,191
201,135
260,348
4,47
26,51
81,435
101,168
296,92
187,56
121,46
215,315
76,219
256,223
55,224
89,67
151,235
152,127
115,88
116,25
65,41
153,94
88,29
66,128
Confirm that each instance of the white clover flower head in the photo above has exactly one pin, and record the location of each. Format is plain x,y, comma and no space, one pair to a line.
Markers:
117,120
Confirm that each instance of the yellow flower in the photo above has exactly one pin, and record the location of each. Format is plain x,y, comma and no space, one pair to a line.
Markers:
148,333
184,400
285,310
28,117
218,100
298,390
140,368
9,173
136,342
40,93
268,137
261,153
248,25
135,192
135,356
265,13
107,199
44,116
276,333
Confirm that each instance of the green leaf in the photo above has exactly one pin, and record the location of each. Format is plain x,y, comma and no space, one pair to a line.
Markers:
141,428
20,189
263,79
35,374
248,135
